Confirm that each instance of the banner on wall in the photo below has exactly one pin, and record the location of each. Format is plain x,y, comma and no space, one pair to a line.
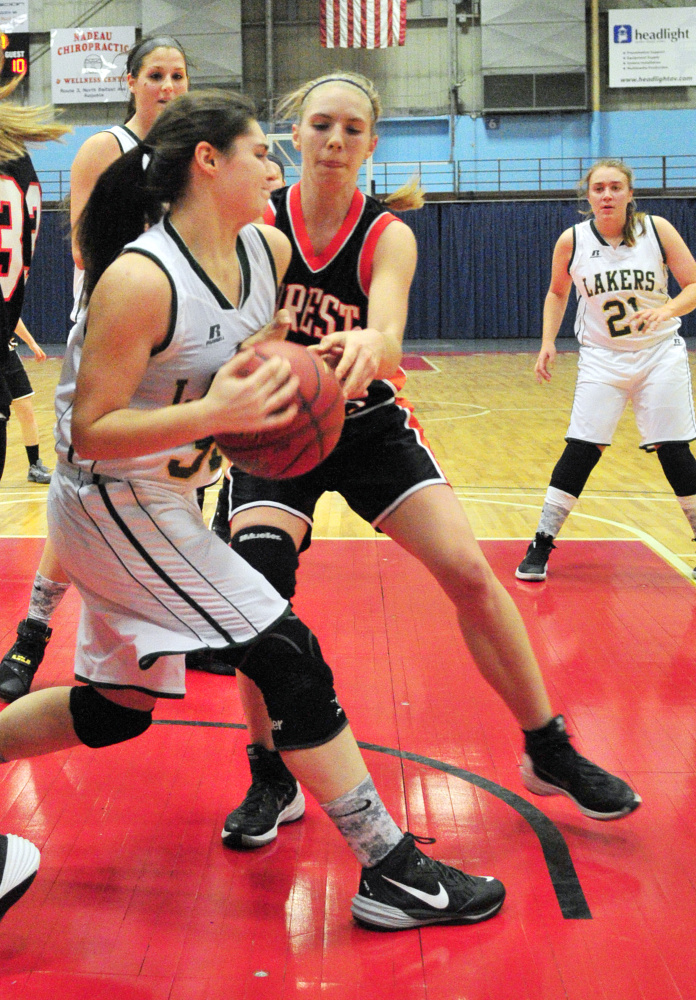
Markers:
652,47
14,15
88,64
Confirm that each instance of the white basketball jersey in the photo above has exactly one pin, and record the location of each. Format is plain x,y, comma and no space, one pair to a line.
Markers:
205,331
126,140
613,283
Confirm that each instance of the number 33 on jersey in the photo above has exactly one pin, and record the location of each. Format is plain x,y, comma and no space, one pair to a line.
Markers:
20,218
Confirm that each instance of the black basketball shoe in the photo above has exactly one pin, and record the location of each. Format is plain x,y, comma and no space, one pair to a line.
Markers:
19,863
274,797
533,566
552,766
408,889
22,661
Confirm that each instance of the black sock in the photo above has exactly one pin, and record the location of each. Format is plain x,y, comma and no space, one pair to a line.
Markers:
32,453
536,741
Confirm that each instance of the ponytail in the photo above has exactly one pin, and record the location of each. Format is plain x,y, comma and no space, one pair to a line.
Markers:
408,197
19,125
133,192
117,212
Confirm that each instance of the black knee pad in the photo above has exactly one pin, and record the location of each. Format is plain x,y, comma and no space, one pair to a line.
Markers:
99,722
679,466
272,552
297,685
574,466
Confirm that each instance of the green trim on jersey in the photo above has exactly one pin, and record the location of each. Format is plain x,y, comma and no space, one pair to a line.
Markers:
174,305
650,219
244,269
271,258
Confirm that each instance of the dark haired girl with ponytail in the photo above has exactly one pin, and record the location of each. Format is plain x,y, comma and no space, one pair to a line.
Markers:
140,400
156,72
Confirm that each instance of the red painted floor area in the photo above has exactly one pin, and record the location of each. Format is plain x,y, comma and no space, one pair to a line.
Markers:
136,899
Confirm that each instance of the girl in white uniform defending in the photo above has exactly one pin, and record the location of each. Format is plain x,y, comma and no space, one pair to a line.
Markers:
156,72
139,402
630,348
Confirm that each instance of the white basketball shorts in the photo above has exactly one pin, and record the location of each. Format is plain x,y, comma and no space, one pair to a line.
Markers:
657,381
155,583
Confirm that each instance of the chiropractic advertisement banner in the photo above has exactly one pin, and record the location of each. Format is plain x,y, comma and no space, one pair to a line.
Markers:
89,64
652,47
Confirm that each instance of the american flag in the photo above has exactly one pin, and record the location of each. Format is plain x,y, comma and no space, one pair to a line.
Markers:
362,24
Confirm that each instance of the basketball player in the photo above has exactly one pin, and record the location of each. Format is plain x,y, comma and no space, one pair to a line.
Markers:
137,407
278,168
20,200
347,292
630,347
157,72
22,407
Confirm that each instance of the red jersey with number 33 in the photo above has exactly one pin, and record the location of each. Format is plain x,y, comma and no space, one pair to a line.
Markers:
20,217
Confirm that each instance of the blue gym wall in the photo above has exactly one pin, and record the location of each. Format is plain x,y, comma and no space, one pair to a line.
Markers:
604,133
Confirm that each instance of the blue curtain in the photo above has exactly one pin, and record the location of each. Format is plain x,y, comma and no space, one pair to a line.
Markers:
49,294
489,266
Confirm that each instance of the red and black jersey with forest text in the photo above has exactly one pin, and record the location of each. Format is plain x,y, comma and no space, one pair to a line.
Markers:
328,292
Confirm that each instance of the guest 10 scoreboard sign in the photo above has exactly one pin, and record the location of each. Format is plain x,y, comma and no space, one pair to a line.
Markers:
16,50
652,47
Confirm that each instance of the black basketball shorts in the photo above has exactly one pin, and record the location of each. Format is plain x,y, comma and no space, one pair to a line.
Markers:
382,457
16,378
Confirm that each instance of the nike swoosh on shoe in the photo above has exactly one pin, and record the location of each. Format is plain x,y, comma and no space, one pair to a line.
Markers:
438,900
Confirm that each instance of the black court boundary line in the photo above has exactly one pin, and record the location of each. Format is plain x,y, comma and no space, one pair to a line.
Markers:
564,878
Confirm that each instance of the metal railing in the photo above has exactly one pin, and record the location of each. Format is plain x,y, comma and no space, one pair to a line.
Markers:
479,177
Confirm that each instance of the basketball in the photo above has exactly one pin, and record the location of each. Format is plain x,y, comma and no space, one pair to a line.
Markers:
300,446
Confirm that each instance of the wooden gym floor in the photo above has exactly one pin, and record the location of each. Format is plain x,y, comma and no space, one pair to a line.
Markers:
136,899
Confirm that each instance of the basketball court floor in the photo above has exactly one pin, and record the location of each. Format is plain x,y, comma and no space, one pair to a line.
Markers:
136,899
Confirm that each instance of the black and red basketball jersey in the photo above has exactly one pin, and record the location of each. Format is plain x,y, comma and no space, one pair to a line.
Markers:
20,217
329,291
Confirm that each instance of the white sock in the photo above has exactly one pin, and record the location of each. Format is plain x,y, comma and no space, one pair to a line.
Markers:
557,507
362,818
688,505
46,595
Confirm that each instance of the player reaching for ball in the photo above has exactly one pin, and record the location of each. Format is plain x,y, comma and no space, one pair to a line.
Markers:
138,405
630,348
347,291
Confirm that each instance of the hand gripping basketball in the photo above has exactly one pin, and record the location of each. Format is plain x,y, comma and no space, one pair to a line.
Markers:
300,446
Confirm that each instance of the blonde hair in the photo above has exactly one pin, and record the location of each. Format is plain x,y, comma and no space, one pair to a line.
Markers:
634,225
20,125
410,195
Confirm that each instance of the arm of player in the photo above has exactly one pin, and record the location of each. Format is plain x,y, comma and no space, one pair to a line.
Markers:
114,360
555,305
24,335
359,356
93,157
681,263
